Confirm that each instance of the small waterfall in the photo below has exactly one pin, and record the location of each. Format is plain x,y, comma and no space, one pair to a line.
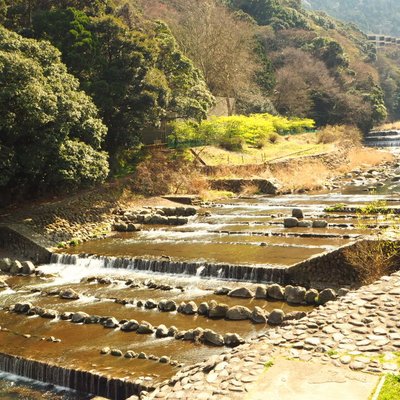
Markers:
260,274
389,138
82,381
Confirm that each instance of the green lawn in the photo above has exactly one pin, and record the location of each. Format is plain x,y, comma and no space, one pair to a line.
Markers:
391,388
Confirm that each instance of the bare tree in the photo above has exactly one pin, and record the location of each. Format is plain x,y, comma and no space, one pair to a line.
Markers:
220,43
298,75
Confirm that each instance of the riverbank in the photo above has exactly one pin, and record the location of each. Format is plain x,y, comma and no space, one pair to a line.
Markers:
250,230
359,332
90,214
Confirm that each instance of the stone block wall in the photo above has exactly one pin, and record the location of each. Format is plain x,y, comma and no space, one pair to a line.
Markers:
237,185
324,270
24,243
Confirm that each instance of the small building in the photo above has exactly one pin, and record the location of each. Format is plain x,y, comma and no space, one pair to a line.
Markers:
224,106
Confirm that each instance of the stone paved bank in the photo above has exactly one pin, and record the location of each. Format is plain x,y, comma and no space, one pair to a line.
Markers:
360,331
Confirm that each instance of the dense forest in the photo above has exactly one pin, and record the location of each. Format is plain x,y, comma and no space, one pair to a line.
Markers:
372,16
81,81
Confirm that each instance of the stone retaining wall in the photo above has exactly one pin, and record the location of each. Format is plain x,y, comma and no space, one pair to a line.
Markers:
325,270
21,241
264,186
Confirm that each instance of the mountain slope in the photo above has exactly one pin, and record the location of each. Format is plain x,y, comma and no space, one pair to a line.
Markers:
372,16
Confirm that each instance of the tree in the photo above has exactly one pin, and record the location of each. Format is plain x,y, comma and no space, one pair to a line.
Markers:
44,120
137,76
190,97
19,14
220,43
330,52
280,15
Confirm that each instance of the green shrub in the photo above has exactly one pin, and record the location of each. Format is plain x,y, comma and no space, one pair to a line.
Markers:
232,143
237,130
336,208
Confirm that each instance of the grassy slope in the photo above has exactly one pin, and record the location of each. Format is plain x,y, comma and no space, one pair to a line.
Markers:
286,147
391,388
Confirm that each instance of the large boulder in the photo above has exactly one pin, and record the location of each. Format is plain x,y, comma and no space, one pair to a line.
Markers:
276,317
242,292
145,328
49,314
66,315
133,228
326,295
93,319
111,323
22,308
130,326
320,224
221,291
261,292
258,316
157,219
161,331
203,308
129,354
190,308
290,222
297,213
79,317
233,340
295,295
238,313
172,331
69,294
188,335
28,267
343,292
167,305
198,333
116,352
16,267
213,338
276,292
120,227
305,224
311,296
150,304
218,310
5,264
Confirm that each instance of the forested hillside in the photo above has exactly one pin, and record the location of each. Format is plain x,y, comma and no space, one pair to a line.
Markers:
283,58
372,16
81,81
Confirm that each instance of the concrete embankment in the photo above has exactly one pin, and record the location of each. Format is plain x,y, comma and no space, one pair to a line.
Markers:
21,241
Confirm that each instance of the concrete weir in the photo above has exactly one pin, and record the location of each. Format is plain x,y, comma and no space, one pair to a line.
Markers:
258,274
81,381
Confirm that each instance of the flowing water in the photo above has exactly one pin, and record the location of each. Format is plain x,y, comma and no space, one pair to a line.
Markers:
235,240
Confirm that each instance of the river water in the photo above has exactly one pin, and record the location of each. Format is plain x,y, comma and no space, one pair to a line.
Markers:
246,232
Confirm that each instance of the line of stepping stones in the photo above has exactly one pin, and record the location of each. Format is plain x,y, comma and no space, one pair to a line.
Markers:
140,356
359,331
206,336
214,310
28,335
16,267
